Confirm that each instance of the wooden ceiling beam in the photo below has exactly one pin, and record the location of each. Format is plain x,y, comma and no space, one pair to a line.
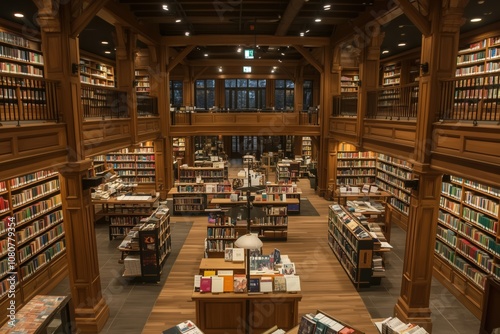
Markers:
420,21
289,16
180,57
309,57
267,40
242,62
88,13
114,12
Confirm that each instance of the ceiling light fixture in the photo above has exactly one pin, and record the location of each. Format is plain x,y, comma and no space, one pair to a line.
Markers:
206,54
107,52
301,34
165,7
238,50
385,52
317,20
476,19
327,6
18,14
104,42
220,69
402,44
187,33
178,20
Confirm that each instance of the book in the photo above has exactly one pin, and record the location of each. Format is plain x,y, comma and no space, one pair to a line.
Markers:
292,283
254,285
234,254
206,284
307,325
227,275
209,273
239,283
279,283
185,326
217,284
335,328
288,269
266,284
197,280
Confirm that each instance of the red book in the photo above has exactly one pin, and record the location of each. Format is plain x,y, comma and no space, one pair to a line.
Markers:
206,284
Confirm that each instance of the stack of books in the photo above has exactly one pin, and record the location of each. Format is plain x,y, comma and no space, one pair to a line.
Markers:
394,325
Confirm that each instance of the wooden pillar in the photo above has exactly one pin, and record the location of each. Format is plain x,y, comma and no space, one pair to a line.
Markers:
91,310
298,103
439,50
324,115
336,71
61,50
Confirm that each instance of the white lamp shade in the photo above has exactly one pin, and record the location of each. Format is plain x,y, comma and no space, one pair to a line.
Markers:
248,241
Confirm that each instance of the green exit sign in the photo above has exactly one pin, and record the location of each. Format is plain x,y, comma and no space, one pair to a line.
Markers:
249,54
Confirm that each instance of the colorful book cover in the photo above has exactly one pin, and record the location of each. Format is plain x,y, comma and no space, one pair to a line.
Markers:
206,284
254,285
279,283
239,283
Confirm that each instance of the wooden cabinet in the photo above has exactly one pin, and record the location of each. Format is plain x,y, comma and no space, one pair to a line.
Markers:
467,243
32,236
202,174
391,74
351,244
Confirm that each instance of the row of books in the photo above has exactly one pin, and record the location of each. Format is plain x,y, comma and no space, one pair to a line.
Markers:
39,226
393,325
355,163
35,192
20,181
42,259
23,55
227,281
10,93
479,236
353,181
356,155
38,209
357,171
481,202
20,68
10,38
40,242
321,323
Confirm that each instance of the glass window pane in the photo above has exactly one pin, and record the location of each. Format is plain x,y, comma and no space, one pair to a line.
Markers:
252,83
280,83
242,99
252,101
230,83
279,100
200,83
290,84
242,82
210,83
262,83
210,99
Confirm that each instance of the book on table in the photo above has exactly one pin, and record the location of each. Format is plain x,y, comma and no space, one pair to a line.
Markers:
217,284
240,283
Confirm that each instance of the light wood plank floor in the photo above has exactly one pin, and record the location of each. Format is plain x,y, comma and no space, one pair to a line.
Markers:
324,283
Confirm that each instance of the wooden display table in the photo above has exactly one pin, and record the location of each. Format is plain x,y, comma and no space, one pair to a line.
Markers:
228,202
230,312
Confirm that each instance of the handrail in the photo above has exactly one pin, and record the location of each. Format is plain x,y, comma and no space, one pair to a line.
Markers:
24,98
104,102
345,105
393,102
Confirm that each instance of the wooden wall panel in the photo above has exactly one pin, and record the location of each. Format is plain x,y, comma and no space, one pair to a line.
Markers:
392,132
148,128
102,136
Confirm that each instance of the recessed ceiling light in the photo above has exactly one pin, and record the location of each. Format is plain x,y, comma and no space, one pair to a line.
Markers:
187,33
476,19
327,6
238,50
301,34
385,51
317,20
107,52
104,42
220,69
18,14
480,2
178,20
402,44
206,54
403,34
282,53
165,7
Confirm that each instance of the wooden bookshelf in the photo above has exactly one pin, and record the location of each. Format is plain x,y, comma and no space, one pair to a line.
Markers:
142,81
96,72
222,232
135,165
351,244
391,174
288,190
287,171
349,81
202,174
391,74
31,214
306,147
179,146
354,168
468,239
20,55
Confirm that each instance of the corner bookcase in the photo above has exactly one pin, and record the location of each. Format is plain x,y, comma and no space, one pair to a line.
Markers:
135,165
467,246
351,244
32,239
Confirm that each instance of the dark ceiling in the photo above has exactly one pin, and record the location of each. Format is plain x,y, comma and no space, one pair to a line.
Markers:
253,17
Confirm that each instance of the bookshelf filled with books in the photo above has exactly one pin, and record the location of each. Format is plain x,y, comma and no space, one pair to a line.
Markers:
202,174
287,171
147,245
306,147
391,74
222,232
142,82
135,165
179,146
286,191
467,246
354,168
31,223
352,245
96,72
349,81
20,54
391,174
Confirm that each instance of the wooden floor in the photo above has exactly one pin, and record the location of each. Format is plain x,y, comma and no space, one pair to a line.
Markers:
324,283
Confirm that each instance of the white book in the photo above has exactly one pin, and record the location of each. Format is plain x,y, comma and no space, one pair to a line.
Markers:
292,283
266,284
197,280
217,284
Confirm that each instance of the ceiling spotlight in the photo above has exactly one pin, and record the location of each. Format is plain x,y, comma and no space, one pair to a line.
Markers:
282,53
220,69
187,33
480,2
317,20
272,71
327,6
178,20
385,52
206,54
107,52
104,42
476,19
238,50
402,44
307,31
280,60
301,34
18,14
165,7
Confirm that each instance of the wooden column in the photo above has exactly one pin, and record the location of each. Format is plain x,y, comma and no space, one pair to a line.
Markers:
61,50
439,49
336,70
298,92
91,310
324,115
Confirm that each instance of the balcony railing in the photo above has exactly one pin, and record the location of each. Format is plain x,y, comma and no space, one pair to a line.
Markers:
28,99
345,105
147,105
393,102
104,102
472,98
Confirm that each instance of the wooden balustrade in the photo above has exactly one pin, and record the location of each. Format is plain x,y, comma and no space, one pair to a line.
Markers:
104,102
